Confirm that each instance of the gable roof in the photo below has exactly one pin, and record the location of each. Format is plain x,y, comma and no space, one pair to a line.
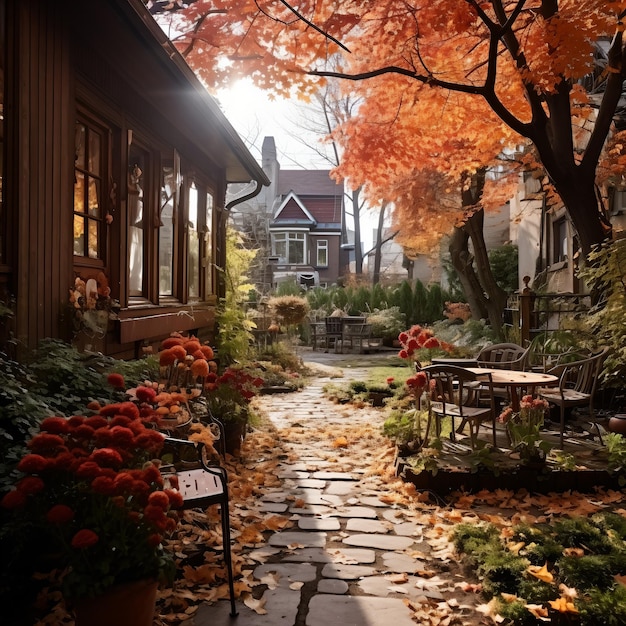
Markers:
308,182
293,211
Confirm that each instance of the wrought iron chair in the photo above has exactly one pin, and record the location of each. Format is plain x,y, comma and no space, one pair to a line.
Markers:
577,386
201,482
454,396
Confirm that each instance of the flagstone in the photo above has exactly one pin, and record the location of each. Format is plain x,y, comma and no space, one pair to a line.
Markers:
408,529
382,587
311,483
347,572
357,610
304,539
332,555
315,523
273,507
287,573
343,488
317,496
333,475
381,542
399,563
355,511
281,605
370,501
311,509
332,585
359,525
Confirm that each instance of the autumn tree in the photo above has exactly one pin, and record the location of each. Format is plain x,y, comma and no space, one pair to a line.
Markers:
514,65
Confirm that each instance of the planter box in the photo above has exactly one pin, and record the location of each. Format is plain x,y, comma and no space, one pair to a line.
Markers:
534,480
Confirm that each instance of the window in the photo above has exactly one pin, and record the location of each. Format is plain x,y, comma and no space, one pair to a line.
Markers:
322,253
193,238
559,236
90,143
200,204
138,216
167,224
289,247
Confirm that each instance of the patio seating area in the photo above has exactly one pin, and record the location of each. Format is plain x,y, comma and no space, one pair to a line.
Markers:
341,334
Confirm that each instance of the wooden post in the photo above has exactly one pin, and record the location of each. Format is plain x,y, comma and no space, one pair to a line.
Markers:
526,305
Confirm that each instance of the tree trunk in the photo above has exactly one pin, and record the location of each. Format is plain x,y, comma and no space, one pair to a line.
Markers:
485,297
378,246
358,249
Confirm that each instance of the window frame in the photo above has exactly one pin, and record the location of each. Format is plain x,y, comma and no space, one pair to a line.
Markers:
90,120
560,243
321,245
297,235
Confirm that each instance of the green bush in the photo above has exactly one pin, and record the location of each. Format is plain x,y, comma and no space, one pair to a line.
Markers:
603,607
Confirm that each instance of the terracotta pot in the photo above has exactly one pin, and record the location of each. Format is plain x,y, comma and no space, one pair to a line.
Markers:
617,424
127,604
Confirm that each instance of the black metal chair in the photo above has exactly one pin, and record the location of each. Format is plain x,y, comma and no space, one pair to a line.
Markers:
201,482
454,396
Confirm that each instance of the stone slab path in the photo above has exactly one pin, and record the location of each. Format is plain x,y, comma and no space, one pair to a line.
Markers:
351,557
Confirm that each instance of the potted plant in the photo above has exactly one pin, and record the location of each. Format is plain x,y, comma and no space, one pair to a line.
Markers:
91,493
228,398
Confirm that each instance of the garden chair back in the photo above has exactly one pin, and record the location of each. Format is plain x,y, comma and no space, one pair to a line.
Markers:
454,396
202,481
334,332
578,381
505,356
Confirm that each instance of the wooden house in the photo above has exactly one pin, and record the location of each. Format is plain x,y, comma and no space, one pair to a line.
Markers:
114,167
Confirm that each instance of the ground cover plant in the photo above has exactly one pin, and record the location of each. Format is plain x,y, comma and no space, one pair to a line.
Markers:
570,571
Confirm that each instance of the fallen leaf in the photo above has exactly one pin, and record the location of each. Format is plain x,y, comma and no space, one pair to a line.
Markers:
397,578
297,585
258,606
541,573
563,605
340,442
573,552
539,611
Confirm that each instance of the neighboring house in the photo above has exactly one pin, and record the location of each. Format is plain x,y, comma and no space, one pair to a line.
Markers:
115,161
296,223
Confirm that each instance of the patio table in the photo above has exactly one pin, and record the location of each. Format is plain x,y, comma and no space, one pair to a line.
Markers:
514,380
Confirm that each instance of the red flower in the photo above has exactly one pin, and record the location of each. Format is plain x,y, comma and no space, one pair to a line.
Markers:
64,461
145,394
106,457
208,352
88,469
152,475
403,338
154,540
75,421
191,346
30,484
200,368
33,464
84,538
55,425
44,442
403,354
122,436
150,440
104,485
179,352
116,381
102,436
60,514
431,342
170,342
13,500
175,497
155,514
160,499
129,409
123,481
83,432
390,379
97,421
167,357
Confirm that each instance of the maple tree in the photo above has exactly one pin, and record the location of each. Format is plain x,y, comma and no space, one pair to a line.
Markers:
510,68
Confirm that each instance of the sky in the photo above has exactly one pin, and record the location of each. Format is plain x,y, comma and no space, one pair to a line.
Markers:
254,116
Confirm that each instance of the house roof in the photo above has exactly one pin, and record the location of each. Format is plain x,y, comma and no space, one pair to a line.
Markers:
308,182
189,107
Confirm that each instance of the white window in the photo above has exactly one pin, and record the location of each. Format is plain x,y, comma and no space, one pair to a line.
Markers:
288,247
559,233
322,253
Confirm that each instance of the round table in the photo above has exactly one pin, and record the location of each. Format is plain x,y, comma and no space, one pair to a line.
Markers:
516,380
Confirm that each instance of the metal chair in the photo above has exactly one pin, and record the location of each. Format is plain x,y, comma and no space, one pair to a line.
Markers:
577,386
454,396
201,482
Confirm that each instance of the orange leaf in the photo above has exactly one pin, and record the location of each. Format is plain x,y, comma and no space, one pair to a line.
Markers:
541,573
340,442
563,605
